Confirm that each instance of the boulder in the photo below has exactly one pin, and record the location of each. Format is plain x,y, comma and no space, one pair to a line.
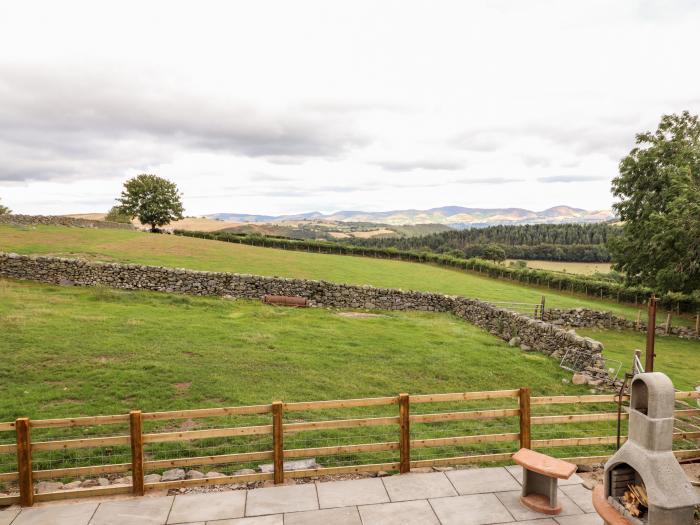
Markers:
126,480
515,341
301,464
526,348
175,474
214,474
48,486
194,474
151,478
244,472
89,483
103,482
72,485
579,379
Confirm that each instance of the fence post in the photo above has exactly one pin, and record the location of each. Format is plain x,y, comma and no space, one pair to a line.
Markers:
697,325
525,439
405,436
24,462
136,431
638,324
278,441
668,323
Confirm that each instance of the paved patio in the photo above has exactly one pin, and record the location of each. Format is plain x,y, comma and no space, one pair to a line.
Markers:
464,497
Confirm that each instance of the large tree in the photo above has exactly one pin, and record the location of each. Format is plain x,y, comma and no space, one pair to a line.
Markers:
154,200
4,210
659,191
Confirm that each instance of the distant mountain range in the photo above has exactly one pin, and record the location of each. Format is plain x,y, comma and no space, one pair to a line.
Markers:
452,216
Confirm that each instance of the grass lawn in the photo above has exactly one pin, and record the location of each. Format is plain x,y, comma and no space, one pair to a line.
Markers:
201,254
677,358
70,351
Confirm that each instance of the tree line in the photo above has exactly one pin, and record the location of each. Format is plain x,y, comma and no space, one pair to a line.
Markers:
552,242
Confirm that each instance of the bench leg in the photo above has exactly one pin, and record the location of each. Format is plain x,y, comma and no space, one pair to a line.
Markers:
539,493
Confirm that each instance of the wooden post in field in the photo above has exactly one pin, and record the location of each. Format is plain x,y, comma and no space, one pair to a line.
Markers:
525,436
136,431
278,442
651,335
24,462
542,311
667,326
697,325
405,434
638,324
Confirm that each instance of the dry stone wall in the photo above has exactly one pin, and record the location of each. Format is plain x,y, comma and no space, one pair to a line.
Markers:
59,220
529,334
586,318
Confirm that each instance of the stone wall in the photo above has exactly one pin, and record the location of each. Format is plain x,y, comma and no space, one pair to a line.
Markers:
60,220
529,334
586,318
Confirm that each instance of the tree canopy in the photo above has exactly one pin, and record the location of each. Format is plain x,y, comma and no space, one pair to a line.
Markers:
4,210
659,191
117,214
154,200
494,252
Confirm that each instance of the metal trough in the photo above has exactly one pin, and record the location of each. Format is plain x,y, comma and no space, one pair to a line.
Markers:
286,300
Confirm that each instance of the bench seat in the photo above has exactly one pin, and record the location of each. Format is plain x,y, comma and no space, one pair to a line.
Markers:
540,476
543,464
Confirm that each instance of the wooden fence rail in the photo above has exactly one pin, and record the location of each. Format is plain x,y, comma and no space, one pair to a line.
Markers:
136,439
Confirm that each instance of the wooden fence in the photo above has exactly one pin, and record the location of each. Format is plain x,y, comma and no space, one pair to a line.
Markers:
278,429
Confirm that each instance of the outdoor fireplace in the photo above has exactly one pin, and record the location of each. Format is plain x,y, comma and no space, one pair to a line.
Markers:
643,481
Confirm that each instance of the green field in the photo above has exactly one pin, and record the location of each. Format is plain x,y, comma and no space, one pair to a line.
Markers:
582,268
70,351
200,254
678,358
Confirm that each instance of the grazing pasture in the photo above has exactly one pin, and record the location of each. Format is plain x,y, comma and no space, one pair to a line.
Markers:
201,254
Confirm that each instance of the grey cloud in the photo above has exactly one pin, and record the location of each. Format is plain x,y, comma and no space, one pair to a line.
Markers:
570,178
69,120
412,165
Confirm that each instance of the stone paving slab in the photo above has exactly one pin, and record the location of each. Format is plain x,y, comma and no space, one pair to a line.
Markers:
403,513
418,498
366,491
511,500
475,509
207,507
138,511
274,519
7,515
584,519
418,486
278,500
77,514
517,472
339,516
581,496
482,480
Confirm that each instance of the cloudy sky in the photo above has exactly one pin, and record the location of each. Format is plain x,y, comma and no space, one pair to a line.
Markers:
284,107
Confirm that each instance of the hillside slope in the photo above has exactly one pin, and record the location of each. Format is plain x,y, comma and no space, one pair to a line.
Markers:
200,254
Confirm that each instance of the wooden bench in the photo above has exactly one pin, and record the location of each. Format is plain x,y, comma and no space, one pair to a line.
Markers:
540,476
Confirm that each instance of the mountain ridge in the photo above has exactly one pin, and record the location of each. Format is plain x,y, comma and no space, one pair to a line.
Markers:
459,217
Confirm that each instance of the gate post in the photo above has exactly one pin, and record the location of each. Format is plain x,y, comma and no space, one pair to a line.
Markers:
136,431
405,434
278,442
525,437
24,462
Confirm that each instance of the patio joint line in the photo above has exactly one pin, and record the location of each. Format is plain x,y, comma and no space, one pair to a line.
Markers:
433,509
91,517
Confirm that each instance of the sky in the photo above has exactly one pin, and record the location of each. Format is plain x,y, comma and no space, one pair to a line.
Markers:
275,107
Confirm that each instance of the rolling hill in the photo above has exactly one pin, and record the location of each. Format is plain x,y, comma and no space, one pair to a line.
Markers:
453,216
